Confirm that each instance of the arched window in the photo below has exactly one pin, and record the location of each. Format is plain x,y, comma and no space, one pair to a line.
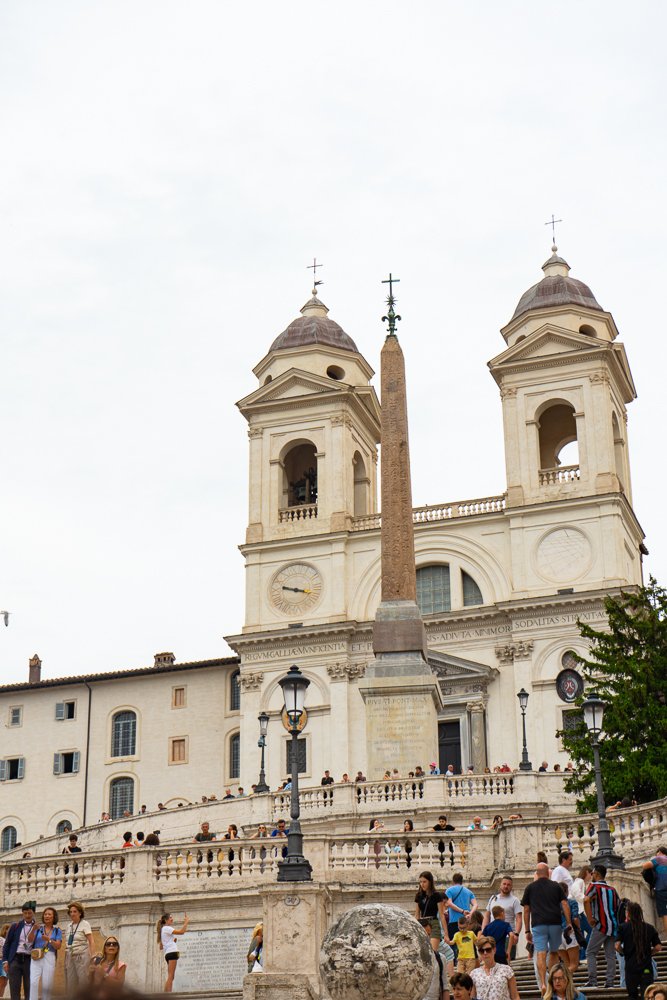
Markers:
558,430
8,838
235,756
121,797
362,486
300,483
433,590
124,734
235,691
471,592
64,826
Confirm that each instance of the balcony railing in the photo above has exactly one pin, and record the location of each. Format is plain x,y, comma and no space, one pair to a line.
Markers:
440,512
561,474
304,512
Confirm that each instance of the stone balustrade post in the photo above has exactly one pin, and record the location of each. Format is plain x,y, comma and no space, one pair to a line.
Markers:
296,917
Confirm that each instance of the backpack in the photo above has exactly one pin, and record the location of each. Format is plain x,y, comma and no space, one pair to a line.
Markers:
649,876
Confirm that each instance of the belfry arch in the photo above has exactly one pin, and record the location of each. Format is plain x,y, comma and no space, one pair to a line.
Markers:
557,428
300,475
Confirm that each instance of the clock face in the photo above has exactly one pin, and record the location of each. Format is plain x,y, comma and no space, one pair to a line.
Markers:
563,555
295,588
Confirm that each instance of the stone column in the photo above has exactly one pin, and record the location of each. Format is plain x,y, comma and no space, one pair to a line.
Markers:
477,735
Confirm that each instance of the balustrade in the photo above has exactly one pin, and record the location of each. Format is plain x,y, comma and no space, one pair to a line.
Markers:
439,512
561,474
304,512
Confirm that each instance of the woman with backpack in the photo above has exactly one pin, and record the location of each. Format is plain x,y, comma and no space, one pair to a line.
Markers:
637,942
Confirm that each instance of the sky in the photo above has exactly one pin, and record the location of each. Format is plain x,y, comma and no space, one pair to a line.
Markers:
169,170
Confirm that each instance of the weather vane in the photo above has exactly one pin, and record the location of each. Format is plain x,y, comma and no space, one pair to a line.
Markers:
553,222
391,318
313,267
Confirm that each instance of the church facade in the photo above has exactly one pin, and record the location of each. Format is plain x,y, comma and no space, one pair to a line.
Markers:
501,580
501,583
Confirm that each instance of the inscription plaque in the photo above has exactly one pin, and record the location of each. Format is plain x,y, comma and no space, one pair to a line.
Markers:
212,960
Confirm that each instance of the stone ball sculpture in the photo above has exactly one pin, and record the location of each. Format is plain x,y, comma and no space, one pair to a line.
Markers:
376,952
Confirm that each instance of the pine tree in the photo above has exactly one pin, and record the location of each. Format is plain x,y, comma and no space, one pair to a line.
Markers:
628,669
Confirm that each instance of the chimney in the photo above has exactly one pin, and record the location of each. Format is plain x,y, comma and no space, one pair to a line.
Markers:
34,669
164,660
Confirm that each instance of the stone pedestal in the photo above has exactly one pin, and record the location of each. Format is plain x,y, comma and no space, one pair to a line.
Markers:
401,717
295,917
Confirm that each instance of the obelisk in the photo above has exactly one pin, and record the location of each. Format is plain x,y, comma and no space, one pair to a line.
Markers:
401,693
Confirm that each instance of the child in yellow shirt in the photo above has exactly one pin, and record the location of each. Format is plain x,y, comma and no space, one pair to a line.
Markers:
464,939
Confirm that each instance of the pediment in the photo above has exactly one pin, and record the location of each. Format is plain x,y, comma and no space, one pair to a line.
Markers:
550,341
291,384
465,676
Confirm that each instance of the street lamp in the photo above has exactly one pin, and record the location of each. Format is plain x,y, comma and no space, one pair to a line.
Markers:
593,708
263,720
294,868
525,764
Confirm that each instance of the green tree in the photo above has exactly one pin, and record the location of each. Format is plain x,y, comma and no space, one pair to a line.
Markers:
628,669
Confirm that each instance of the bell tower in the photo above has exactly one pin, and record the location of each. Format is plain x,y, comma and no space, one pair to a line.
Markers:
314,428
564,382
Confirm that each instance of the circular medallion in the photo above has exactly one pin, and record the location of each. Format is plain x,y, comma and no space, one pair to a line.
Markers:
563,555
303,719
295,588
569,685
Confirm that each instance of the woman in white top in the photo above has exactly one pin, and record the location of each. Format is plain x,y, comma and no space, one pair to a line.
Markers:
166,935
492,981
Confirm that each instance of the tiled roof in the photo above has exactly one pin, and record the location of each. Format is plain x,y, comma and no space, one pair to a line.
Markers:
113,675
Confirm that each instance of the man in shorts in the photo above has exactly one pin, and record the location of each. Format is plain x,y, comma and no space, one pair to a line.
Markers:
543,905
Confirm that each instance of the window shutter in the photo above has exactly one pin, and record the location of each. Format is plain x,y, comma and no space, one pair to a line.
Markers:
3,770
76,759
60,710
57,763
21,767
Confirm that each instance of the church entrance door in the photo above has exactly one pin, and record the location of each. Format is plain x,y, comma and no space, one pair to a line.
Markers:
449,745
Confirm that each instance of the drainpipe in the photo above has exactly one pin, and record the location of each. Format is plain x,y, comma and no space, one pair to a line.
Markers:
85,779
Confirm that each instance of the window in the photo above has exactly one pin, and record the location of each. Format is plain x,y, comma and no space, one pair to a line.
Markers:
235,691
178,750
572,720
433,593
301,756
569,660
65,710
16,715
178,697
235,757
124,734
471,592
64,826
8,838
66,762
121,797
12,769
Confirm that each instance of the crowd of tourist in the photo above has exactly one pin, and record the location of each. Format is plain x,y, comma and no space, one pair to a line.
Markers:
565,919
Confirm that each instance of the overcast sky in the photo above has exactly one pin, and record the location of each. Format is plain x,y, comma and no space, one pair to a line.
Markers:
168,170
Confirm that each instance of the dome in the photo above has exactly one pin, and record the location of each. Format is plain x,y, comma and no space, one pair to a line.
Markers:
556,289
314,327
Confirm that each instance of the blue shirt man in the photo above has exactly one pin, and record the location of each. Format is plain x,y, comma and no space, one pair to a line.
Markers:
461,900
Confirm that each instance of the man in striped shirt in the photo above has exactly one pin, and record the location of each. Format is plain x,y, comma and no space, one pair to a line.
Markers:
601,904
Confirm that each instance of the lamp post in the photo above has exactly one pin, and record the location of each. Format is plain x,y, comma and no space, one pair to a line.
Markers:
525,764
263,720
294,868
593,708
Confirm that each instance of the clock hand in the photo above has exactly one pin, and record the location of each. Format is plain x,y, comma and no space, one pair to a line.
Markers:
296,590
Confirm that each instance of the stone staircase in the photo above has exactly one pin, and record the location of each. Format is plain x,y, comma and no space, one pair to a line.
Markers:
525,977
523,970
